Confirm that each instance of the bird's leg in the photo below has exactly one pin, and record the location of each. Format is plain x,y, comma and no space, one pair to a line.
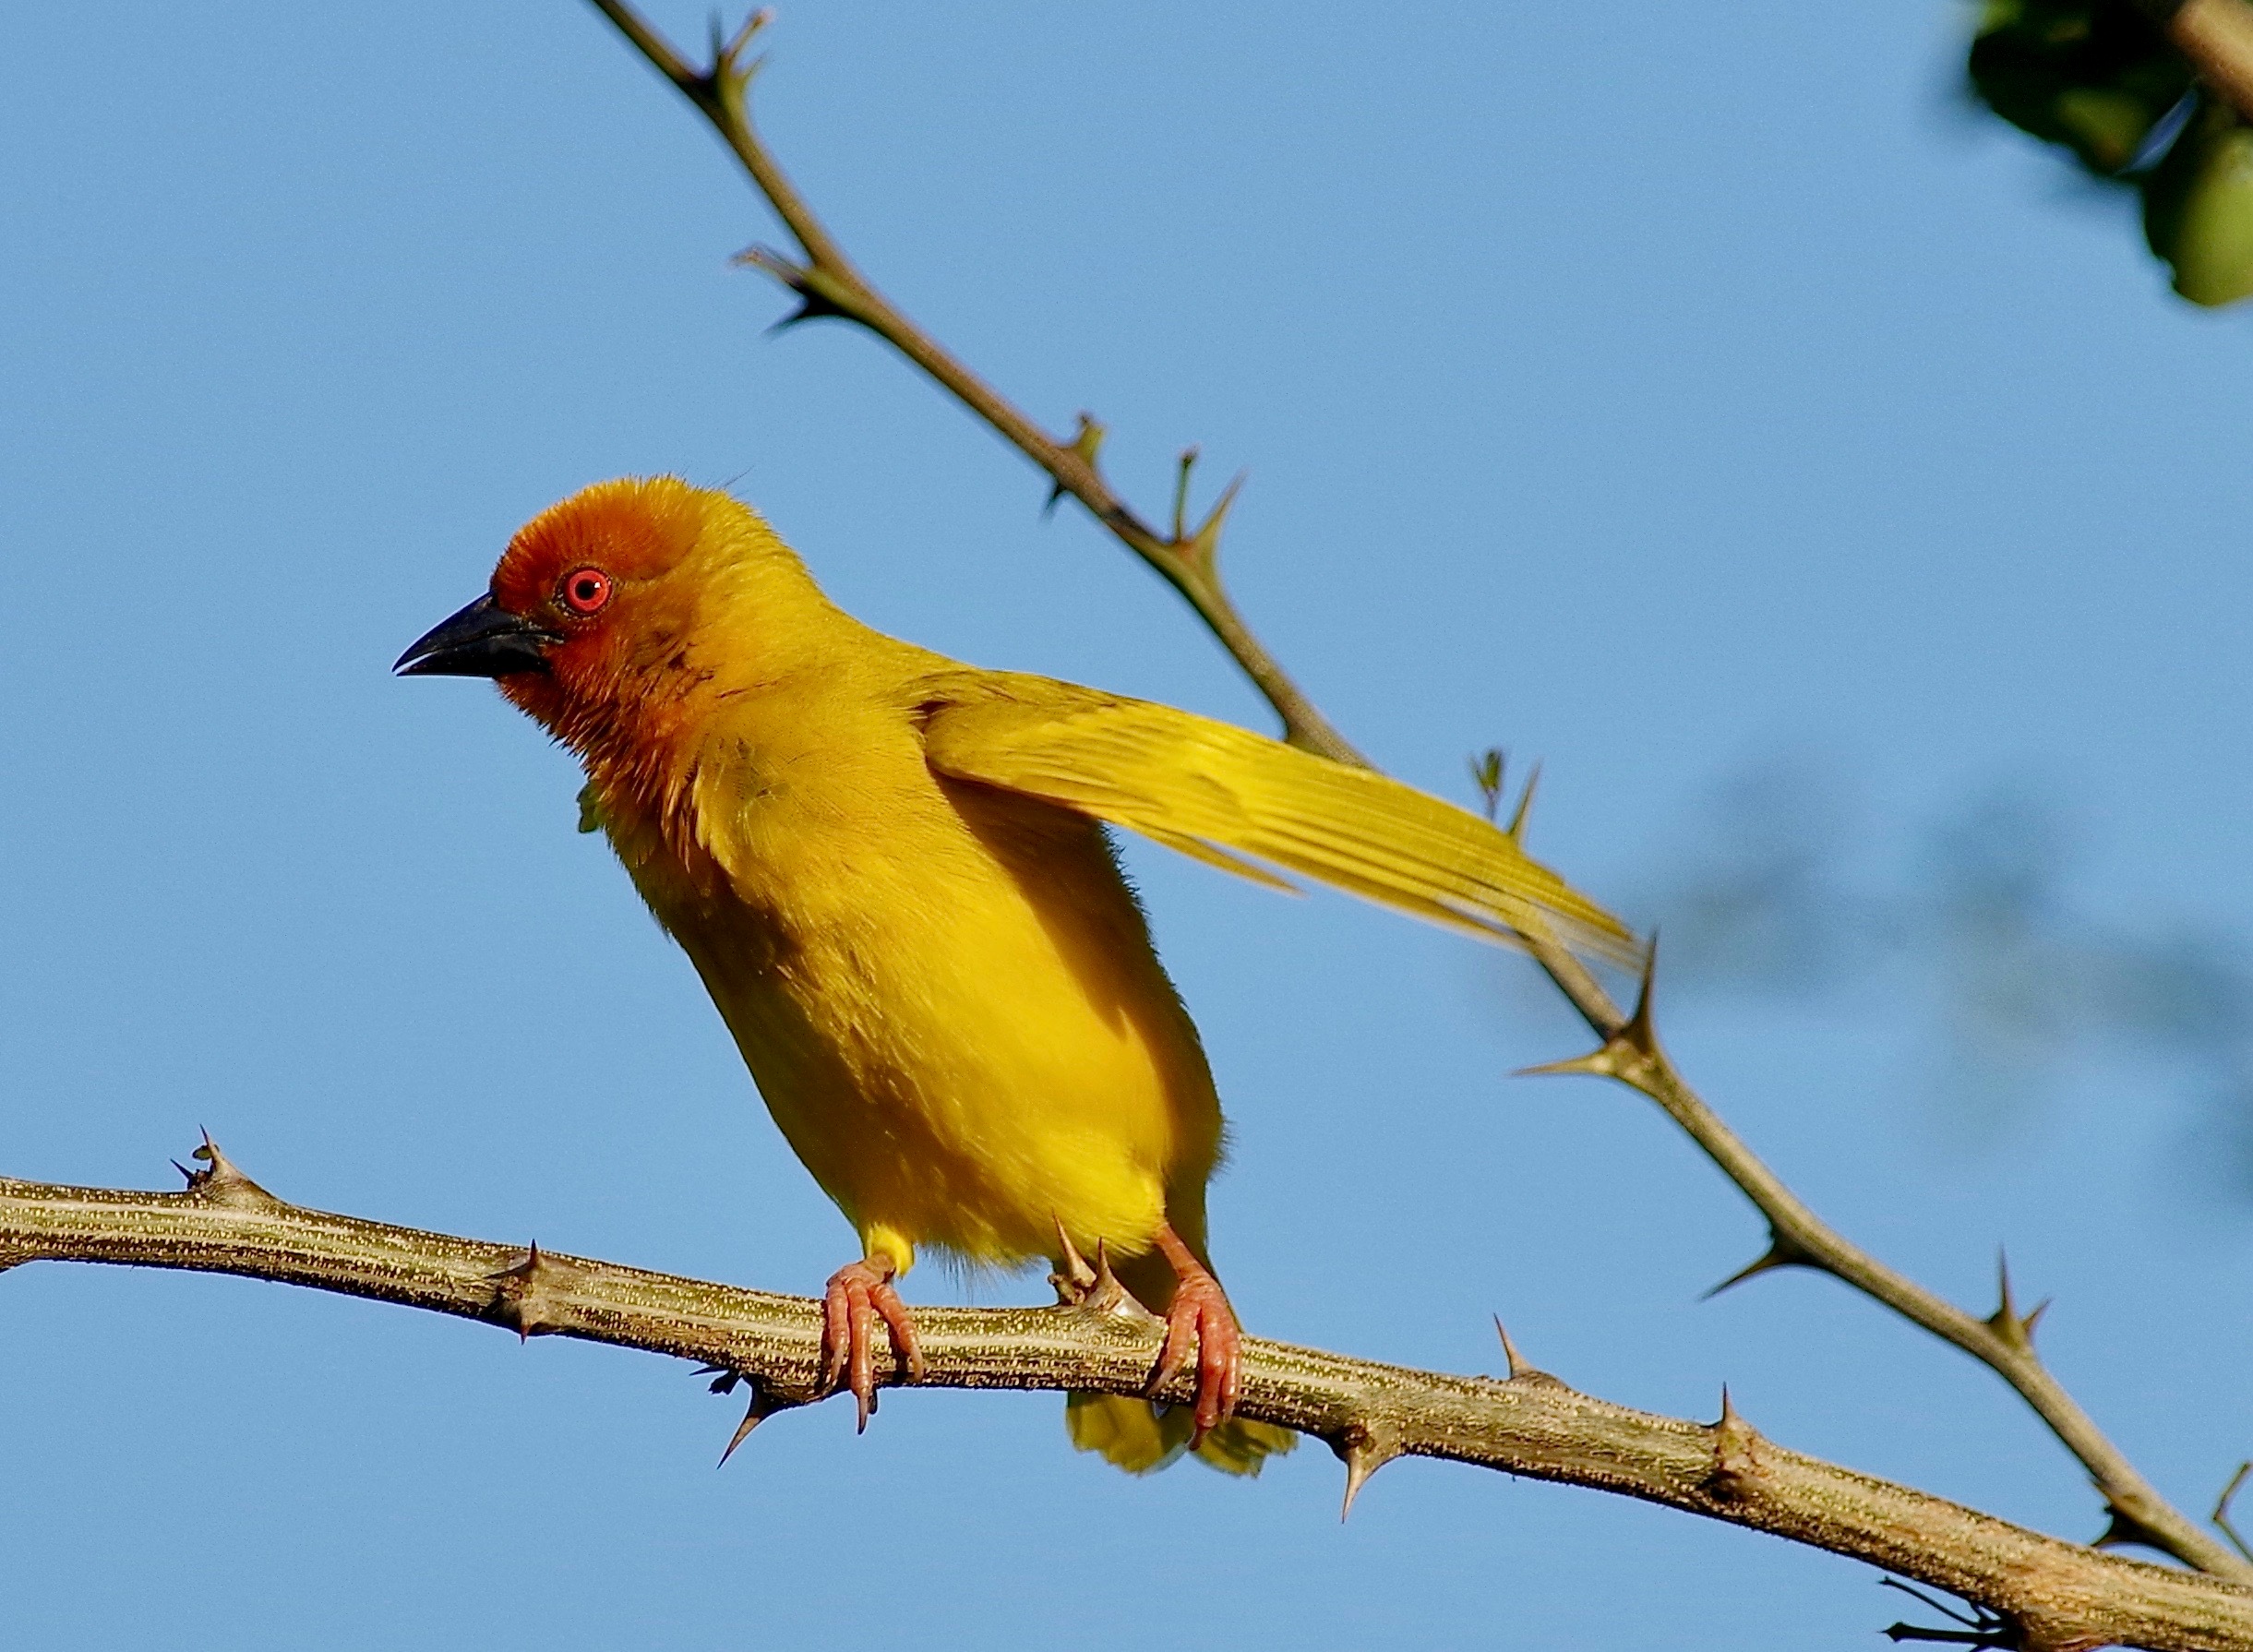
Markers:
858,1295
1199,1315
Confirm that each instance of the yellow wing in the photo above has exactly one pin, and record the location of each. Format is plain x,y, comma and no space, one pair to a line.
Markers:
1223,794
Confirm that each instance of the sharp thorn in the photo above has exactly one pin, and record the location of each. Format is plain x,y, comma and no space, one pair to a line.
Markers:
1597,1063
1782,1253
1073,1278
1515,830
1518,1368
752,26
1204,543
1640,1034
1363,1454
2005,1321
757,1412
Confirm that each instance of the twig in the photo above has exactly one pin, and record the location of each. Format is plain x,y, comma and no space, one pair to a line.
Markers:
828,284
1632,1055
2222,1510
2064,1596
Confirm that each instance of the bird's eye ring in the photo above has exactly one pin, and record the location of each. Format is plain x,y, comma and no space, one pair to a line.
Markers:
587,591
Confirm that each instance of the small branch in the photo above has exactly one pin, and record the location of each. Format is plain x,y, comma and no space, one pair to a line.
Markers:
1632,1055
2222,1510
2062,1595
827,284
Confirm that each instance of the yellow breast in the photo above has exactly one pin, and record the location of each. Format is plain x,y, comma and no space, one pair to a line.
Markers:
945,993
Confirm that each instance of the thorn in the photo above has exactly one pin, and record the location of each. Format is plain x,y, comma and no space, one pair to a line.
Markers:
814,304
2222,1509
1736,1464
1363,1452
1597,1063
1982,1626
1088,441
1204,545
1521,1369
1515,830
752,26
1782,1253
762,1407
221,1181
2005,1321
1639,1034
1631,1054
1180,495
1074,1278
1518,1368
2122,1526
1486,769
522,1291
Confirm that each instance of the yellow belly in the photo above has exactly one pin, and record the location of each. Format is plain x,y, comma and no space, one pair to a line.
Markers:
958,1022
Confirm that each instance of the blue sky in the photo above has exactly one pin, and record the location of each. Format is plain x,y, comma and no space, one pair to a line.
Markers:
1645,393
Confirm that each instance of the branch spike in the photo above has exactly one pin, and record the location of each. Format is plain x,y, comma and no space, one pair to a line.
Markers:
1363,1451
762,1407
2222,1509
2123,1526
1518,1368
520,1291
2006,1321
814,303
734,49
1515,830
1087,443
1073,1278
1736,1464
1640,1035
1782,1253
1203,547
1597,1063
221,1181
1180,497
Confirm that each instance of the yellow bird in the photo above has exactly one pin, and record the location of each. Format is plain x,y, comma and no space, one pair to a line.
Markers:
893,873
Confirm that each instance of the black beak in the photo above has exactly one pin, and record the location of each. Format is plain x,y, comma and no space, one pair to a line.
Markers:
483,640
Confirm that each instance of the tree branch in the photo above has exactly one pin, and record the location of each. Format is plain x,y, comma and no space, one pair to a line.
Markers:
2059,1597
1632,1055
828,284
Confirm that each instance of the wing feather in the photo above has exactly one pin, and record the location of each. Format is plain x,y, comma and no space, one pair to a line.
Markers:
1233,798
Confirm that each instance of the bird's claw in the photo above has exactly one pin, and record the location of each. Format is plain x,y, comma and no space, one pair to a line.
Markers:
858,1295
1200,1319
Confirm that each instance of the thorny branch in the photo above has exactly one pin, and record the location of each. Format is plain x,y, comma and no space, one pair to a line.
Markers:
2055,1595
2217,34
827,284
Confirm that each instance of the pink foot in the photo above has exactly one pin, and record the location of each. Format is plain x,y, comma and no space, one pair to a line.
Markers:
1199,1314
859,1294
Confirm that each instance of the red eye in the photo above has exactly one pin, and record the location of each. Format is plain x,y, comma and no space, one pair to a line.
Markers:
586,592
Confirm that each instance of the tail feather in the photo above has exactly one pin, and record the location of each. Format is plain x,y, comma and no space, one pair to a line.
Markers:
1143,1438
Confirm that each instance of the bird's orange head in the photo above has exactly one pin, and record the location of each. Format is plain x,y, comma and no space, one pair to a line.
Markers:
611,613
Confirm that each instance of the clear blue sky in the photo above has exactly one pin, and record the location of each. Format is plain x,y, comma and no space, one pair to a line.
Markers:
1636,386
